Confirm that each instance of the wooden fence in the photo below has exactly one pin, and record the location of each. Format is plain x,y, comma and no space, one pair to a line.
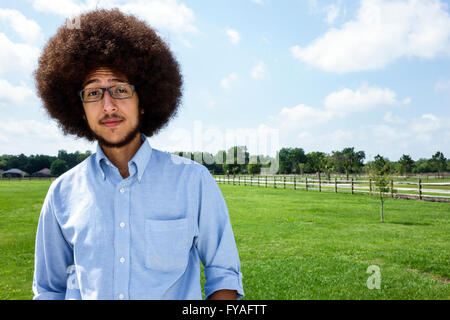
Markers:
397,189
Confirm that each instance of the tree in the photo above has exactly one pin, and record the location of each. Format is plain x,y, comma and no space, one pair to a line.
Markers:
422,165
284,156
38,162
296,157
289,160
328,166
348,160
438,162
58,167
301,166
406,164
3,163
380,172
254,168
236,160
19,162
317,161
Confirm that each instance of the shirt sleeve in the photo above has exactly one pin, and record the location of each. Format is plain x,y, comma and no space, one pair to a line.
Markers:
53,256
215,242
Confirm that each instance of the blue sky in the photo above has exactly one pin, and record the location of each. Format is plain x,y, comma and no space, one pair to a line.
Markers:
320,75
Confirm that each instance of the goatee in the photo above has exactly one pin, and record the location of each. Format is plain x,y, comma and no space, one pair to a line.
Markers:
126,140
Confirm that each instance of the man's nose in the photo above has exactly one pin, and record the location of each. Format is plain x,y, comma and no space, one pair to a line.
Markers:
109,104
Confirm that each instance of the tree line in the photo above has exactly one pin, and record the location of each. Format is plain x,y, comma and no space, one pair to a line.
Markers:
237,160
33,163
296,161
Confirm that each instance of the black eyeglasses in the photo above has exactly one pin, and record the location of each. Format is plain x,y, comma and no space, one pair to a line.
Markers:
120,91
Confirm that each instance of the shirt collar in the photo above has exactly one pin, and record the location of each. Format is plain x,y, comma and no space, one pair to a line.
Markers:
140,159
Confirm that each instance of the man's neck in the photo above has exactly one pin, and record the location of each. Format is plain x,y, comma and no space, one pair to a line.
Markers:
121,156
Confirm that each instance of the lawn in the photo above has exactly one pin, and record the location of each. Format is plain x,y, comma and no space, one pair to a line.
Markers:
293,244
311,245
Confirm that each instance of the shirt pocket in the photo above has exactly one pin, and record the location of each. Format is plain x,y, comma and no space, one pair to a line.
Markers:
168,243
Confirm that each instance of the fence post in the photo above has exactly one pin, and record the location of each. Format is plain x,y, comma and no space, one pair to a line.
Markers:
335,185
294,183
284,182
306,183
239,180
352,185
320,187
266,181
420,189
274,179
370,186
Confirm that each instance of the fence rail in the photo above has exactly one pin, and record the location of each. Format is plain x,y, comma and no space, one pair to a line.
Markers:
429,191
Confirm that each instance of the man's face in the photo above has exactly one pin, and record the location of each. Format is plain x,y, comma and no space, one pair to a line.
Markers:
114,122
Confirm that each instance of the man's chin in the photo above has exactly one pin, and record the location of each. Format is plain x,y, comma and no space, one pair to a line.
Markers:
116,144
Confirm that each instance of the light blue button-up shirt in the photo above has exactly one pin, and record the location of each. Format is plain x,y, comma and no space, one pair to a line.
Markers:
104,237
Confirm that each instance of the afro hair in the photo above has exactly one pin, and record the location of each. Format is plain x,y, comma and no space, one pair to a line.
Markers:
122,43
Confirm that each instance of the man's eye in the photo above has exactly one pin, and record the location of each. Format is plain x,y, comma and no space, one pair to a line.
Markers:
121,90
92,93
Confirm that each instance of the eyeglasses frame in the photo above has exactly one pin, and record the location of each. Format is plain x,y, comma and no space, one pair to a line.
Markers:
133,88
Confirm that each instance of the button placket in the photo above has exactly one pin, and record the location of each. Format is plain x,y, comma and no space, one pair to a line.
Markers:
122,241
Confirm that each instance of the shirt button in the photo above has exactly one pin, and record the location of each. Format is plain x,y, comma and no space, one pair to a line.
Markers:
122,260
122,190
122,224
121,296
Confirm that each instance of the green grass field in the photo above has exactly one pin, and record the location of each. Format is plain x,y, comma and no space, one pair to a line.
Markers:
292,244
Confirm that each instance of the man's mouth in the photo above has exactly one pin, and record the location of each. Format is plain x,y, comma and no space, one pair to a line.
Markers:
112,122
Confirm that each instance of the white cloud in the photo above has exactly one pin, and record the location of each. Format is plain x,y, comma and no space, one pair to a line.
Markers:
337,104
36,137
228,81
233,36
165,14
27,29
391,140
66,8
29,128
257,1
426,123
391,118
365,98
259,71
382,32
17,58
18,95
301,116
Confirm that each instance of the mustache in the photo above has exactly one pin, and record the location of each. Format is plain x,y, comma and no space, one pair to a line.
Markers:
112,117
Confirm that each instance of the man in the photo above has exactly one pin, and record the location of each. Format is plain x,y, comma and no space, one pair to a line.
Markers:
129,222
